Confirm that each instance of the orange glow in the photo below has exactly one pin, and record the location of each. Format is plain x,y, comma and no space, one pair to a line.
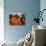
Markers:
16,20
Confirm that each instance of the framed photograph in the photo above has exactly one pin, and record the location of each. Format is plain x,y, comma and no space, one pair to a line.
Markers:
17,19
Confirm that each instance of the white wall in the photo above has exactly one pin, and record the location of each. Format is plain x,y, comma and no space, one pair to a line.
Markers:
43,6
1,21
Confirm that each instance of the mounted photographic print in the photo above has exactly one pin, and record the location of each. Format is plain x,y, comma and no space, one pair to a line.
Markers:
17,19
